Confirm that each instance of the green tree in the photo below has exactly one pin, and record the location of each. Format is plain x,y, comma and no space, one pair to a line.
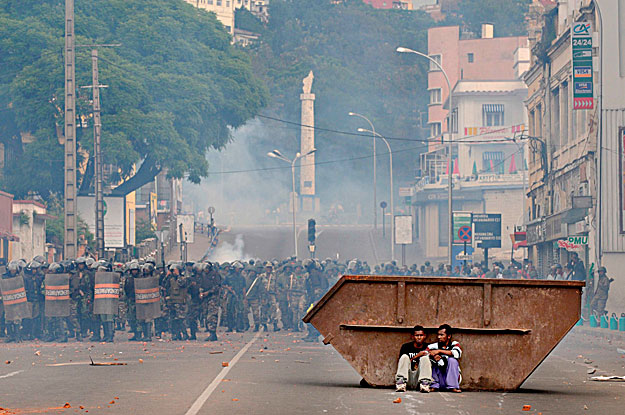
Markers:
508,16
177,88
144,230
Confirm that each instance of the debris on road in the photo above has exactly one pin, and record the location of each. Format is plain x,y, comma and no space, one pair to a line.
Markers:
106,364
8,362
591,370
527,407
67,405
619,350
225,364
217,352
608,378
398,400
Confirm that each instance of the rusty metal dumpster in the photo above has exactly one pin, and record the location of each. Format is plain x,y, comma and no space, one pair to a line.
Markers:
506,327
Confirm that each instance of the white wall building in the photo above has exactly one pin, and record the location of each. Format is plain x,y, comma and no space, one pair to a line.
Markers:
29,224
611,145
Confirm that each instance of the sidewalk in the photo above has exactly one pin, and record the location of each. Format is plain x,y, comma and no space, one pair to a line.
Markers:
613,335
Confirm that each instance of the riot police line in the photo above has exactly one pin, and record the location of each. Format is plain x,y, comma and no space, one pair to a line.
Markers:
85,299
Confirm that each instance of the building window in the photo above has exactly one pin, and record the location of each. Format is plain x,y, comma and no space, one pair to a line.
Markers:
454,121
564,113
492,115
470,57
436,96
493,162
219,2
435,129
555,120
438,59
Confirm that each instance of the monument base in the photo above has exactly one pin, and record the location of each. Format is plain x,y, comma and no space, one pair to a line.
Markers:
310,204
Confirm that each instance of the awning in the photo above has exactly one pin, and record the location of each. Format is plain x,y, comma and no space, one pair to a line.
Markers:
490,108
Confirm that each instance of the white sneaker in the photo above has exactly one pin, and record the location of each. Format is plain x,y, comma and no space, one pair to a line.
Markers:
400,385
424,387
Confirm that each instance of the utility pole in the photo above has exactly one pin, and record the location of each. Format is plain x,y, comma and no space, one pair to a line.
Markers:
97,157
97,153
70,234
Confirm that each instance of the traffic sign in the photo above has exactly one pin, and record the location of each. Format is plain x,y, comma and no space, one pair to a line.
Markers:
461,220
464,257
487,230
464,234
383,205
403,230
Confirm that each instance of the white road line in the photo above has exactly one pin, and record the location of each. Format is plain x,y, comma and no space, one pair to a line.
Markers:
8,375
201,400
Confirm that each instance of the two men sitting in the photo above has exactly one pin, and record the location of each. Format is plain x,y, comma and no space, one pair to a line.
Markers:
429,367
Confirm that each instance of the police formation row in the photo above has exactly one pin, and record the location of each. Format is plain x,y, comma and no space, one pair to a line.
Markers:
88,298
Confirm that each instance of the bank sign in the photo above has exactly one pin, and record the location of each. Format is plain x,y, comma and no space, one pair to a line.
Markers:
581,47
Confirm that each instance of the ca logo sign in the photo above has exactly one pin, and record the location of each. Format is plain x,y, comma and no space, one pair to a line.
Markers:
581,29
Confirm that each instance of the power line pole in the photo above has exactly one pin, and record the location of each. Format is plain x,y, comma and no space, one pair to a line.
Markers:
97,157
97,153
70,234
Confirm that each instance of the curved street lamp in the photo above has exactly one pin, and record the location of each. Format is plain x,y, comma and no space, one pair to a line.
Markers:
449,151
390,155
278,155
375,186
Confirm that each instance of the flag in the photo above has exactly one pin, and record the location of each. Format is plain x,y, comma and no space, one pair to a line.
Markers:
456,168
512,165
474,169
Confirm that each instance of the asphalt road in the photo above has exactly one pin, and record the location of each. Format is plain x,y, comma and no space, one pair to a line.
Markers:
276,373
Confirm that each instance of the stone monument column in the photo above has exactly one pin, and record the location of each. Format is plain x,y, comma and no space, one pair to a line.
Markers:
307,143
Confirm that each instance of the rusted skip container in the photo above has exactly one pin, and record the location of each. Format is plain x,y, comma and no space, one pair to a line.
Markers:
506,328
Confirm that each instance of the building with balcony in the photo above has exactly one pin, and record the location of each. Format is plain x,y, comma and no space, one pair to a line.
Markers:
562,177
488,122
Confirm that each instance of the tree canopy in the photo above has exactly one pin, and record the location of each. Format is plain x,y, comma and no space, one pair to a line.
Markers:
176,88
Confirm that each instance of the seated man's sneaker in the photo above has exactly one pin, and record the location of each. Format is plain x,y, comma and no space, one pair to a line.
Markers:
400,385
424,387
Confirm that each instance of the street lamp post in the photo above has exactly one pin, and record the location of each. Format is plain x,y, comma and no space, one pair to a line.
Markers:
375,186
449,150
390,155
276,154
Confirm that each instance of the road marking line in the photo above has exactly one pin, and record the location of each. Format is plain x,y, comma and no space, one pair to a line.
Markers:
201,400
8,375
446,398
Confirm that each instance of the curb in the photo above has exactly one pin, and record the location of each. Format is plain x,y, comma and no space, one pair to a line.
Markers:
599,332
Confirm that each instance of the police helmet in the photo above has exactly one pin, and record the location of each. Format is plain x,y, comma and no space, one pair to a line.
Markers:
147,268
56,268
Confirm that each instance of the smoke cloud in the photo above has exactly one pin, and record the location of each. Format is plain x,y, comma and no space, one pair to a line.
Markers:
227,252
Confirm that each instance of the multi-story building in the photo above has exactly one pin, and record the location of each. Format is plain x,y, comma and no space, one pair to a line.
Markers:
488,117
611,147
563,142
225,9
577,168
